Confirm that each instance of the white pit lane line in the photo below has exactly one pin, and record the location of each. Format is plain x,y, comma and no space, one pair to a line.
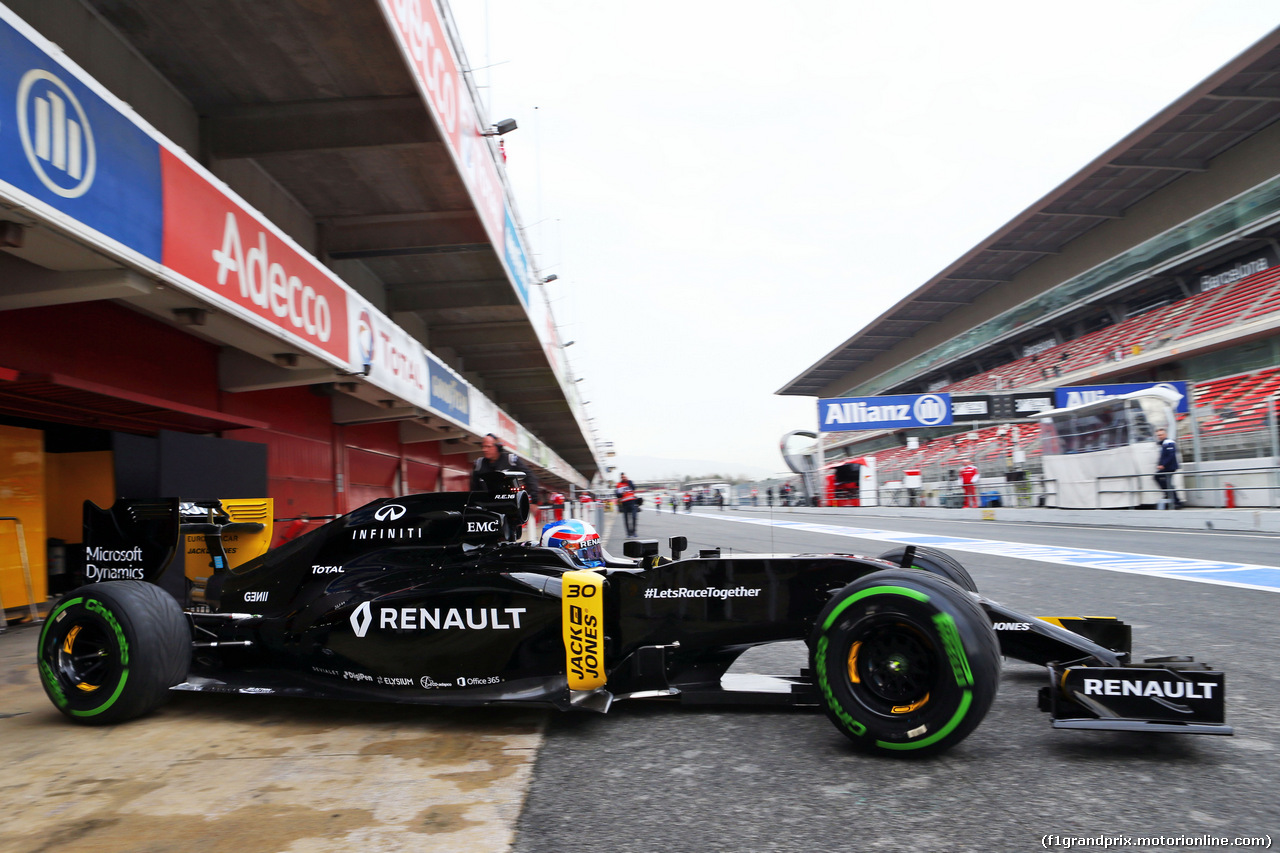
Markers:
1244,575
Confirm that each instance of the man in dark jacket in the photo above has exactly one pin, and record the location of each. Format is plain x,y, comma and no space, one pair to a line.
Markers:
494,457
628,504
1165,466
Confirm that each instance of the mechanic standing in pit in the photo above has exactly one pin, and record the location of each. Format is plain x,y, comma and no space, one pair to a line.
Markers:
628,503
493,457
1165,466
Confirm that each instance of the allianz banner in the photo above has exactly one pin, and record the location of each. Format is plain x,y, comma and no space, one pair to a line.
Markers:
1075,395
842,414
65,144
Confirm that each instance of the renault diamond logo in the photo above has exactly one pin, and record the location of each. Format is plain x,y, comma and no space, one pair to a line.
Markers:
361,618
55,134
390,512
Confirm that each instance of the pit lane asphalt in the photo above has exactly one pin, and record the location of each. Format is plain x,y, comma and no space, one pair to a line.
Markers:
662,777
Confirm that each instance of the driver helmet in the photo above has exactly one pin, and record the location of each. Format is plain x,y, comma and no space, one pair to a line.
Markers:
578,538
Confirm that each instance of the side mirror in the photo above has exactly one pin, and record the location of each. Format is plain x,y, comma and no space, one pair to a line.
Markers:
677,544
640,548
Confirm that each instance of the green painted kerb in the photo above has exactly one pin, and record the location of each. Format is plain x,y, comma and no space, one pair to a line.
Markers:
874,590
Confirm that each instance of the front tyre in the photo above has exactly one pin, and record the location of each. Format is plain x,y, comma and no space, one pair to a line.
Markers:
935,562
905,662
110,651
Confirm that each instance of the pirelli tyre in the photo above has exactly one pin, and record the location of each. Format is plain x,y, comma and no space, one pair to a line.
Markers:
936,562
110,651
905,662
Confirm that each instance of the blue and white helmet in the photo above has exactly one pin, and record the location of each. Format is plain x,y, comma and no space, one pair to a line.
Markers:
578,538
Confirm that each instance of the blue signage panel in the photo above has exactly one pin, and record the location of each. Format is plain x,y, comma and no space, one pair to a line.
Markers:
64,144
841,414
516,260
449,394
1076,395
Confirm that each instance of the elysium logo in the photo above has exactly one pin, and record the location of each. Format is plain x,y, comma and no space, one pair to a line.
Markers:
390,512
361,618
55,134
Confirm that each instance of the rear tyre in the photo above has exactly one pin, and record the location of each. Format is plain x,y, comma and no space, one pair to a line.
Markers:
110,651
905,662
935,562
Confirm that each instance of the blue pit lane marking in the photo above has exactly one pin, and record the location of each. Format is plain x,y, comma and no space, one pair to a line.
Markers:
1244,575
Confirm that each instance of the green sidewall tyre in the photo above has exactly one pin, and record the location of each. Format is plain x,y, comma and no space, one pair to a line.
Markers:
935,562
905,662
110,651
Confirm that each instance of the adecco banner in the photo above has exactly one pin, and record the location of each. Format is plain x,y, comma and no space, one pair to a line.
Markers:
66,145
1075,395
840,414
419,27
215,242
449,393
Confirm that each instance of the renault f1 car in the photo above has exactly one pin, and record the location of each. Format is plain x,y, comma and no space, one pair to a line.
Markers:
432,599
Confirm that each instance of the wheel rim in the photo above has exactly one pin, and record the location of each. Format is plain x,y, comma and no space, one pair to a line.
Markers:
85,656
892,668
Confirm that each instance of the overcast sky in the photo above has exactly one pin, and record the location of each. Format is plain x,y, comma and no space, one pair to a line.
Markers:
729,190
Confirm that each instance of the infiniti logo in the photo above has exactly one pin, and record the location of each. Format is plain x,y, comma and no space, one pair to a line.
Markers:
390,512
55,134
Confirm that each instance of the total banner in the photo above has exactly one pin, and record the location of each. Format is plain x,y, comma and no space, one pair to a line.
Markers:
842,414
393,360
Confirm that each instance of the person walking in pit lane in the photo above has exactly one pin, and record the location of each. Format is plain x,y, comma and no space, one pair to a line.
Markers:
1166,465
628,504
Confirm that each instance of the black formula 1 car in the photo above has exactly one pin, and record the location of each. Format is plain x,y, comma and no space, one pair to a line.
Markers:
431,599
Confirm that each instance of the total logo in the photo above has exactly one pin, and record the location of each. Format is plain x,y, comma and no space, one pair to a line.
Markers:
55,134
328,570
422,618
364,338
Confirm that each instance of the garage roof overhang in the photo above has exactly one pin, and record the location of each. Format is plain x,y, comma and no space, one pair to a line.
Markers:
1228,108
319,97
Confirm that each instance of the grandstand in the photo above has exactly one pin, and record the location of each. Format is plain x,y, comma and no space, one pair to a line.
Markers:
1158,261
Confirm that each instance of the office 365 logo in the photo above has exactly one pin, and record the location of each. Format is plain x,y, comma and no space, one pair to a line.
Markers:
56,134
